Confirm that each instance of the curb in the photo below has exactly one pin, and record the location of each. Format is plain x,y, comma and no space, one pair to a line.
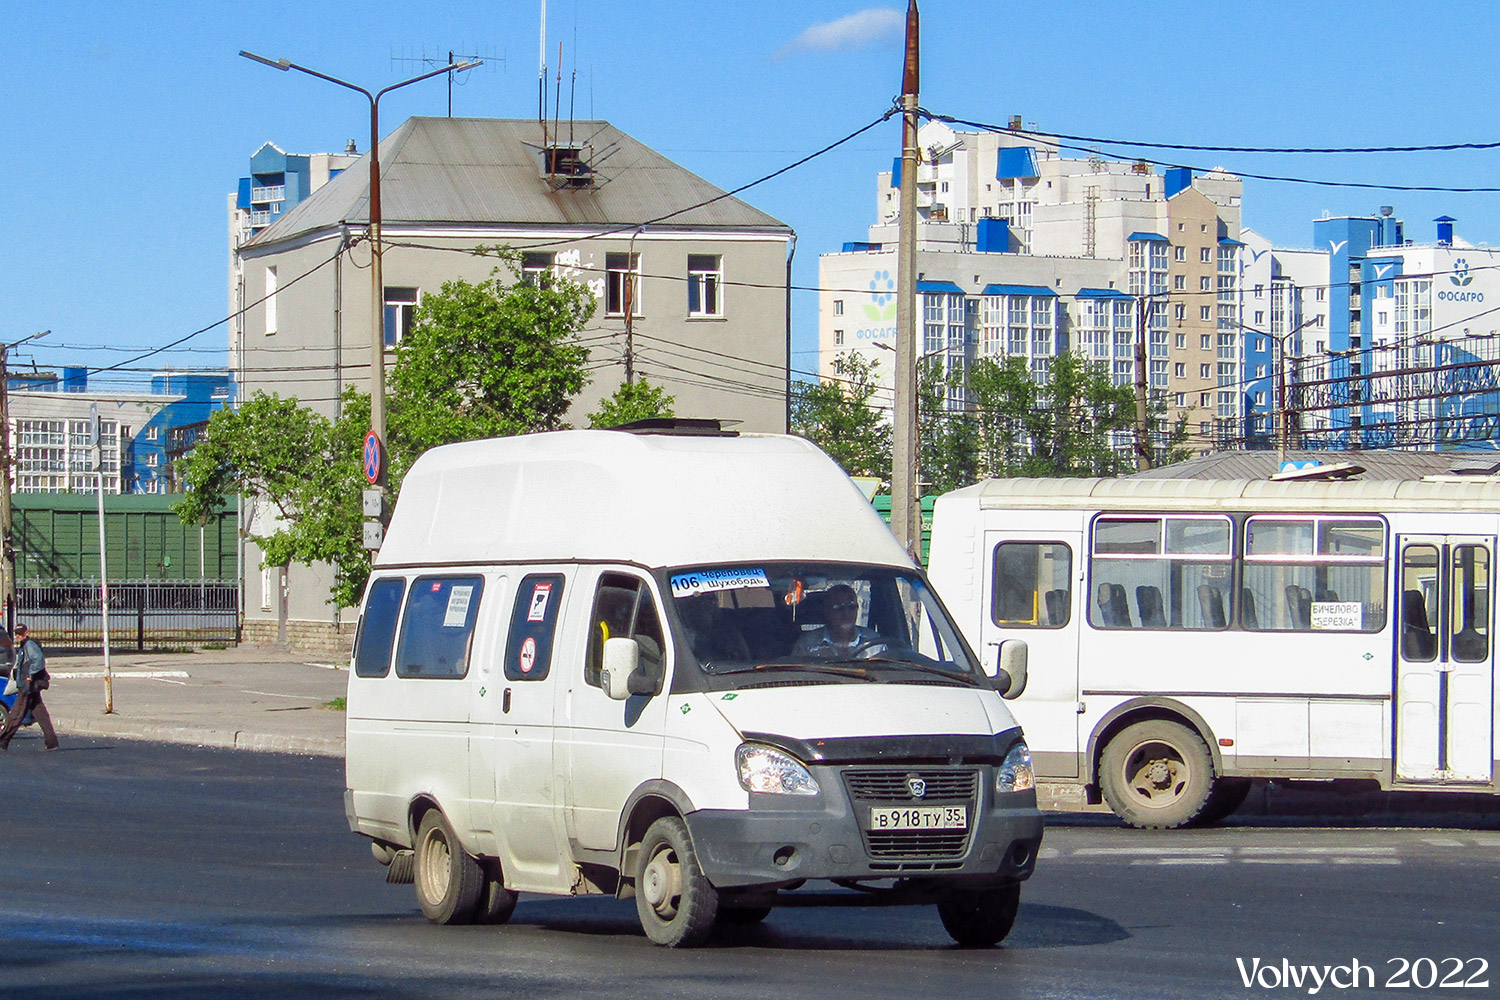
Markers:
228,739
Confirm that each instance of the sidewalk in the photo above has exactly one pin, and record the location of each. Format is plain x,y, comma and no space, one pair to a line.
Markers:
250,697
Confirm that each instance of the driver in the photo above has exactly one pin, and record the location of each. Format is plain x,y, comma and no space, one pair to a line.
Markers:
841,636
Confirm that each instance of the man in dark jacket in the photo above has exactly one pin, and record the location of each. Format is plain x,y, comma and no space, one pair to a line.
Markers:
31,679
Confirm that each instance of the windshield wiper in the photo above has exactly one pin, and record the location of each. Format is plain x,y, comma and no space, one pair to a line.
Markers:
859,673
966,677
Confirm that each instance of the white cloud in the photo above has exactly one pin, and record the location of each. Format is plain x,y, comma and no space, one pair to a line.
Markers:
878,24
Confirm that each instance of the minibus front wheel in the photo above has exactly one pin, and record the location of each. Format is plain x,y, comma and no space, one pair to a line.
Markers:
676,902
981,918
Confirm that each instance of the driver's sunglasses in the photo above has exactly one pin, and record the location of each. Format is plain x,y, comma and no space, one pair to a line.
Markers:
844,606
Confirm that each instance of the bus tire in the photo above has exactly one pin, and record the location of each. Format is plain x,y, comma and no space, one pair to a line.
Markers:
1228,795
1156,775
981,918
447,880
676,902
496,902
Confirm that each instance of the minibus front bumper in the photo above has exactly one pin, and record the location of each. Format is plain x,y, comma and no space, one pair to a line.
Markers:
783,839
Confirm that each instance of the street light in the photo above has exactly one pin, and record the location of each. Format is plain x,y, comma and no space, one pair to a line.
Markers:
377,286
8,556
1283,411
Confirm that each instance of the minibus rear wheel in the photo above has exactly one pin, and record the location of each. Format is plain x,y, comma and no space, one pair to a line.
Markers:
983,917
677,904
1156,774
447,880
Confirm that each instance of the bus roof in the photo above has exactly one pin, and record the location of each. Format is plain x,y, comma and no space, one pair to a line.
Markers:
1449,493
651,499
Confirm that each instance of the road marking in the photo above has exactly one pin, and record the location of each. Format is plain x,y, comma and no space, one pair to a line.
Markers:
1149,852
1317,850
1283,861
1181,861
1442,842
117,674
1046,853
1367,861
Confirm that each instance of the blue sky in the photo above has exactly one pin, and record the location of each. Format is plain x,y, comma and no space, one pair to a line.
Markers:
128,123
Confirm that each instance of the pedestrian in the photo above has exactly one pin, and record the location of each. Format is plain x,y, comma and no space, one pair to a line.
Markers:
31,680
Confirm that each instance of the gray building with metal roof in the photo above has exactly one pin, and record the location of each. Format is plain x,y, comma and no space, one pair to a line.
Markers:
710,274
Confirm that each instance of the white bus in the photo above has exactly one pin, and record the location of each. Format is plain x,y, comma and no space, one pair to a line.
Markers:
1187,636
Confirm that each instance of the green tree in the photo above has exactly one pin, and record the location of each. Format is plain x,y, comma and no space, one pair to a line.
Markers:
487,359
950,450
1060,428
639,400
837,416
305,467
482,359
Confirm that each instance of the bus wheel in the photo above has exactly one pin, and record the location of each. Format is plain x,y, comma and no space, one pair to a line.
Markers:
1228,795
982,918
674,900
1156,775
447,880
496,902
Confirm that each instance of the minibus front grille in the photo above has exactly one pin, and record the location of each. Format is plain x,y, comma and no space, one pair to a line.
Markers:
914,786
890,784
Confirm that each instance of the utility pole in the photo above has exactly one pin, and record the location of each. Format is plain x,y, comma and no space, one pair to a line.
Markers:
906,508
1143,307
7,543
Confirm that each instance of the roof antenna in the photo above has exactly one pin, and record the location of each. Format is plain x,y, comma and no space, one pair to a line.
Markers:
541,81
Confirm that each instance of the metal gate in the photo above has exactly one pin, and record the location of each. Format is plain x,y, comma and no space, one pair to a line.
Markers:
142,613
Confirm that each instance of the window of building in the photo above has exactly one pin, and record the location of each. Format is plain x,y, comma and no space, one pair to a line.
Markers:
1179,253
535,263
1321,294
267,586
1180,227
1260,398
1205,341
1161,572
1179,400
1315,574
1179,370
1260,371
1180,340
270,300
1260,317
1205,312
1203,371
838,338
1205,284
622,283
400,313
1179,282
436,629
705,274
838,307
1033,585
1205,255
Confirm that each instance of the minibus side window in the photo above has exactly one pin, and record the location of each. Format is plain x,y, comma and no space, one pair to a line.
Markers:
1032,585
377,628
623,607
533,622
438,627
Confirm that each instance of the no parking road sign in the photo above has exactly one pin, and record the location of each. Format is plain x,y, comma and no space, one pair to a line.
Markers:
374,458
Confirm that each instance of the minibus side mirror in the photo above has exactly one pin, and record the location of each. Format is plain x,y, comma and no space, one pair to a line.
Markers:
622,660
1010,668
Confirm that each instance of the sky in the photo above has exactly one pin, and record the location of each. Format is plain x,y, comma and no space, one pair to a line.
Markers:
127,124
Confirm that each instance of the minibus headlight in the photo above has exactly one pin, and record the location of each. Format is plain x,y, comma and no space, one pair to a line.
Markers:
768,770
1015,774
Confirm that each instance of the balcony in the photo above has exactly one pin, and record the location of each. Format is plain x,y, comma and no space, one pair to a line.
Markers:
260,220
263,195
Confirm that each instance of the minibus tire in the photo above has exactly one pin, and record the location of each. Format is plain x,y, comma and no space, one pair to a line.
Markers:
676,903
1156,775
742,916
1227,796
447,880
981,918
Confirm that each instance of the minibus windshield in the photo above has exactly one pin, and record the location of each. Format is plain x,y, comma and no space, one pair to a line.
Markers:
826,621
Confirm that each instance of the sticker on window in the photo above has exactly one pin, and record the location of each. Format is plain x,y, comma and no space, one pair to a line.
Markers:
539,596
527,656
1337,616
458,607
712,580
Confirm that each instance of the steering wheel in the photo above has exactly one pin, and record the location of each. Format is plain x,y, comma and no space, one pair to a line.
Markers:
870,648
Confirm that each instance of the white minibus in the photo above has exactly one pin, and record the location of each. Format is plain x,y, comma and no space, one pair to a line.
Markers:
690,668
1187,636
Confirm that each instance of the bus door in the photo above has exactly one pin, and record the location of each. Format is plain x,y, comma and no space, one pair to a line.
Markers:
1444,697
1031,593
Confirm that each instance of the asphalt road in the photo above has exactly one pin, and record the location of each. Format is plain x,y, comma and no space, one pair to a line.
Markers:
135,869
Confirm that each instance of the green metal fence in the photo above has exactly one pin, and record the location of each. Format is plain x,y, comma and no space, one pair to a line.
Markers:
882,504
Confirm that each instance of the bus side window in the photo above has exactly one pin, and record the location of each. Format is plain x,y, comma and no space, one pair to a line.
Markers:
1032,585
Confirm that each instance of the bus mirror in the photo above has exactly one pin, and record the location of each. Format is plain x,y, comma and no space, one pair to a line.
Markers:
1010,668
622,660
